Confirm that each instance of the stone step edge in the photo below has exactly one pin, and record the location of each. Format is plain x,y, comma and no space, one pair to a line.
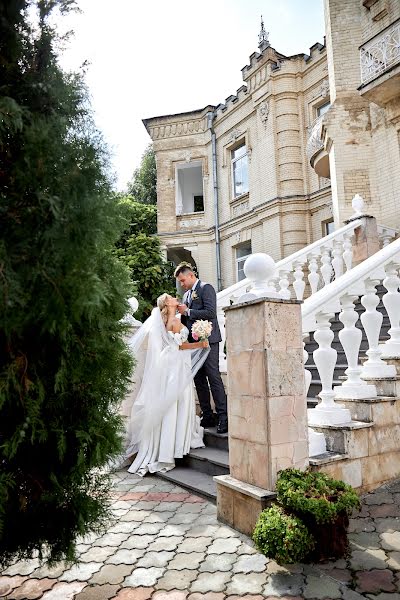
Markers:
326,458
351,426
220,463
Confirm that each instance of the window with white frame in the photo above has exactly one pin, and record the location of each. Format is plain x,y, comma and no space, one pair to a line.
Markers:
328,227
321,110
240,177
242,252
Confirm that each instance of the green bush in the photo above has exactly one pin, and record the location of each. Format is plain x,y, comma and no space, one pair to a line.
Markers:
315,494
282,537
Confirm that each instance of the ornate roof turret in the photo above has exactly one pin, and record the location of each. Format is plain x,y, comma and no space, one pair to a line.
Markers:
263,41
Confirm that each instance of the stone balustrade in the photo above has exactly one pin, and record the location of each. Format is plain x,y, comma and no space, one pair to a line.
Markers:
380,54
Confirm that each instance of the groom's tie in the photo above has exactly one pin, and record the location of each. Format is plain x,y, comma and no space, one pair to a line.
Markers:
189,297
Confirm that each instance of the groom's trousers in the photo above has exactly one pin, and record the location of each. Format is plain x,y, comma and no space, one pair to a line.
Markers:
209,375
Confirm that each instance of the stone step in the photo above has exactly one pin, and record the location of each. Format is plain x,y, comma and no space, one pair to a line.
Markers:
209,460
382,410
326,457
349,439
213,439
199,483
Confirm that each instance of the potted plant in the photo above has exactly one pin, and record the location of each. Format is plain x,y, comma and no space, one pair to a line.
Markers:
320,504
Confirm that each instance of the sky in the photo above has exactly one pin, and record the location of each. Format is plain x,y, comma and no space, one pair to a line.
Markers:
158,57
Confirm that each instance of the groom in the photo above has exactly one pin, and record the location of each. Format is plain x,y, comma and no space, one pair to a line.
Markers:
200,302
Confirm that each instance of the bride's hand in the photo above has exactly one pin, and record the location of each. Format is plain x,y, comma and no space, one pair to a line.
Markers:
205,344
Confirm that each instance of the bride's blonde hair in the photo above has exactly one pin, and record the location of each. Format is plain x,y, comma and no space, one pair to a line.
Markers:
162,305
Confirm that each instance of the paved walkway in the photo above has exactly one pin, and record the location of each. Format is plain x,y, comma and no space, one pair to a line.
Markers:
166,544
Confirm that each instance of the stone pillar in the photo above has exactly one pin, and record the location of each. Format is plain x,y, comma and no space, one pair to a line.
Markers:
366,239
267,406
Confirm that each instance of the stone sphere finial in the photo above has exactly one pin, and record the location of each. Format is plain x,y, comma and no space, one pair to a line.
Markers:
259,268
358,205
134,304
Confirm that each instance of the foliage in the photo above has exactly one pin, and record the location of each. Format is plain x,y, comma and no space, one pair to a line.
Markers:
143,186
63,364
140,251
315,494
282,537
310,519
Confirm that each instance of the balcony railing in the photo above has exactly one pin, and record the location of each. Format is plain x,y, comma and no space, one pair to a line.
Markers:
380,54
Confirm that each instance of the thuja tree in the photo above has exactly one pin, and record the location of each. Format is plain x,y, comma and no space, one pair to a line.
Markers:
143,186
63,364
139,250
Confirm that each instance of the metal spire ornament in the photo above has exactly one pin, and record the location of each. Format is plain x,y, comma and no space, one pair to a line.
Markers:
263,41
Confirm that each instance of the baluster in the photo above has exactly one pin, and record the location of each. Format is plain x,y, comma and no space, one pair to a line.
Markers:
326,268
347,251
327,412
391,301
316,441
371,320
284,284
350,338
299,283
337,261
313,276
222,355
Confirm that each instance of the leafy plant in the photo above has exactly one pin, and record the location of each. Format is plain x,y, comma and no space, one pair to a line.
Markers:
316,494
143,186
282,537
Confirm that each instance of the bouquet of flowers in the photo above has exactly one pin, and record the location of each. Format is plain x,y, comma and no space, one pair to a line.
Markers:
201,330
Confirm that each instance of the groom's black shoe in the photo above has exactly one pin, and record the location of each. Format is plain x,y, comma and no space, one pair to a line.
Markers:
222,426
207,421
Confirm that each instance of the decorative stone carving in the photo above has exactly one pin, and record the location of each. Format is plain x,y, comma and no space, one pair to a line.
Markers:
234,135
177,129
263,111
188,156
241,208
184,223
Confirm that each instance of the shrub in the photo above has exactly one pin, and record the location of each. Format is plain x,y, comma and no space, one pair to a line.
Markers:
282,537
315,494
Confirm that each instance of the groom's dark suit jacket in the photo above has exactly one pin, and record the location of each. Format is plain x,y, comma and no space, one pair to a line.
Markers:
203,306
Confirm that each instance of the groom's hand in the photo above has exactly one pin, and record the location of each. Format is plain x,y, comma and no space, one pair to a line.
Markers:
182,308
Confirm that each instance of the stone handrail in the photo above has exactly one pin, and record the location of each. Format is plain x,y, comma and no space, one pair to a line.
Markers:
339,297
386,234
314,141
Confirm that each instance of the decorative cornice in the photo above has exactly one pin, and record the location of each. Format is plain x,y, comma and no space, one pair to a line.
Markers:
177,129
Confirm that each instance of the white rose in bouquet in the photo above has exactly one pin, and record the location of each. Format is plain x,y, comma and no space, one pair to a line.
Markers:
201,330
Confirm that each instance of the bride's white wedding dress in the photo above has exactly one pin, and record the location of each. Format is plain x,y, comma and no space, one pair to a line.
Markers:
163,422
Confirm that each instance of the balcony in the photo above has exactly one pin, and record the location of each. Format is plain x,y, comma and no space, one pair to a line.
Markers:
316,153
380,66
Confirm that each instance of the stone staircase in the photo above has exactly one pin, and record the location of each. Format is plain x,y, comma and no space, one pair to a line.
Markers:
195,471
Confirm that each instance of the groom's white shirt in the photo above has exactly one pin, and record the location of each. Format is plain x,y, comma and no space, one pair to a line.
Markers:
191,292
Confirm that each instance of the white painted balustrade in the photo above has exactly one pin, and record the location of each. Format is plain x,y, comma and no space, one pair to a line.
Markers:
338,297
316,265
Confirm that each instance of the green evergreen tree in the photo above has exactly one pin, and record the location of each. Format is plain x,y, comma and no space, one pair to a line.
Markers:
143,186
63,364
139,249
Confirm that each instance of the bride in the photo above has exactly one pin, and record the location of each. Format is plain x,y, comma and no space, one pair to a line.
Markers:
163,423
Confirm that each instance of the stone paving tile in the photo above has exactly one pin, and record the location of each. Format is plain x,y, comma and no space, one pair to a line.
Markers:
199,544
98,592
321,587
283,584
383,596
138,593
97,554
167,506
166,543
179,580
155,559
111,574
387,525
126,556
161,517
221,562
364,540
81,571
358,525
210,582
8,583
224,545
244,583
64,591
190,508
137,541
169,529
187,561
150,528
32,589
206,596
172,595
22,567
368,559
255,563
393,560
378,498
391,541
182,518
245,548
50,572
125,526
136,515
144,577
202,531
375,581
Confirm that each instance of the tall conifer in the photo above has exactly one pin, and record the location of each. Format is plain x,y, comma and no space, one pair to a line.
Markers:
63,364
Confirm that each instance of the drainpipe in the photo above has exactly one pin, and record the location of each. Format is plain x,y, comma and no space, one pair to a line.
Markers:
210,119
